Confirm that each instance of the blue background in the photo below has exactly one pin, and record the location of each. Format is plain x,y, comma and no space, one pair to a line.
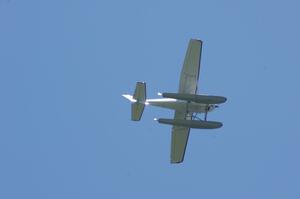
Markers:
65,130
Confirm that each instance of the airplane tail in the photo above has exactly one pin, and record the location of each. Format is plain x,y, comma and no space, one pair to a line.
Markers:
137,101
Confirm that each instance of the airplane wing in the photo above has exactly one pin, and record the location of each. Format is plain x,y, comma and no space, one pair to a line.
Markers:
188,85
180,135
191,67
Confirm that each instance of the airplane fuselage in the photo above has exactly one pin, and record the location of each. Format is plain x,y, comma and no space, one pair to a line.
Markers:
180,105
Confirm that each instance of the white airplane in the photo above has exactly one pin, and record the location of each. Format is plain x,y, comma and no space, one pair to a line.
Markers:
186,103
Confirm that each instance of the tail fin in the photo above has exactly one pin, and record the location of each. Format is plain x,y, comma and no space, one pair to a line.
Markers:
138,101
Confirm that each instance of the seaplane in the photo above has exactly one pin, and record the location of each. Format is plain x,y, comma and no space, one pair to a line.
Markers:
188,105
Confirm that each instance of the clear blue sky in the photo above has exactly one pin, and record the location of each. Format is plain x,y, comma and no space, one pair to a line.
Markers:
65,130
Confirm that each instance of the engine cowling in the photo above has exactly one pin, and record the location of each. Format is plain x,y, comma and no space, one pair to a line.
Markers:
204,99
198,124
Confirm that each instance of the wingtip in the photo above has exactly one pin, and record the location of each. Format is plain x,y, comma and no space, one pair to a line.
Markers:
197,40
176,162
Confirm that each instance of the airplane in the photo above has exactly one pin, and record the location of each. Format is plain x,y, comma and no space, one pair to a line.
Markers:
186,103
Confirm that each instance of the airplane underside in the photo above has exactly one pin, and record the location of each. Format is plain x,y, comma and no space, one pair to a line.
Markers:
182,106
186,103
189,104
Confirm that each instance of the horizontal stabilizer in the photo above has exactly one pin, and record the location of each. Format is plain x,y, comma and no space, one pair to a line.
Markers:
137,101
137,110
198,124
140,92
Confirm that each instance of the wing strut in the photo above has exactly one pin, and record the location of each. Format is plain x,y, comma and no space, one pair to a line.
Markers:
206,111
